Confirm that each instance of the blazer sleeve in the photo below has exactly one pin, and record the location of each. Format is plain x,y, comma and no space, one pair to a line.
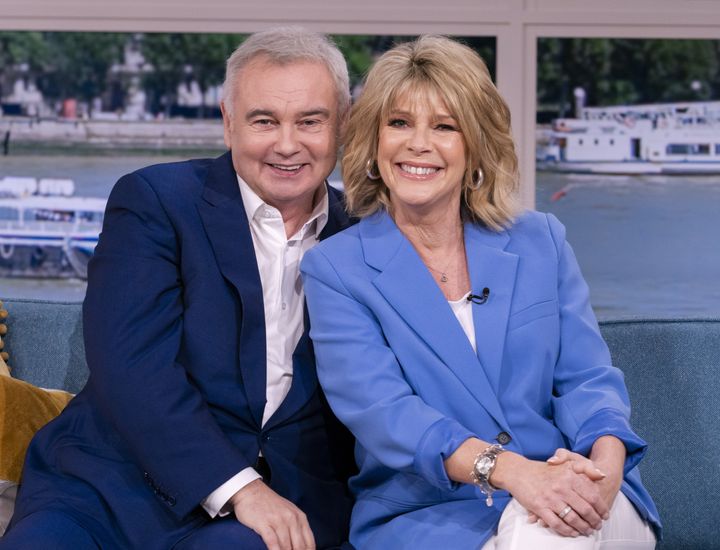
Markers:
133,321
591,399
364,383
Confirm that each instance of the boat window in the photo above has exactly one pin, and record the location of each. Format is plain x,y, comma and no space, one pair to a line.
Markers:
54,215
91,216
678,149
8,213
688,149
717,148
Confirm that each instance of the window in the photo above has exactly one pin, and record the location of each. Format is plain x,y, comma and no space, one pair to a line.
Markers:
678,149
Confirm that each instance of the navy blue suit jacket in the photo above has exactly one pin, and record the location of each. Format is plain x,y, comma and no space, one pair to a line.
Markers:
175,341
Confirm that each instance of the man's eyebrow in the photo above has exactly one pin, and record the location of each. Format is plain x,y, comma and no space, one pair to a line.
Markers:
258,112
320,111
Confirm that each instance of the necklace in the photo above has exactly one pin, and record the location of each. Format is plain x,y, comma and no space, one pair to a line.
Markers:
443,273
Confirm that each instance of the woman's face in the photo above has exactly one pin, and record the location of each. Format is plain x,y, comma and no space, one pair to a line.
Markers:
421,156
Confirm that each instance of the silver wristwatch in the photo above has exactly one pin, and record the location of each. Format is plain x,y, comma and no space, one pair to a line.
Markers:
483,468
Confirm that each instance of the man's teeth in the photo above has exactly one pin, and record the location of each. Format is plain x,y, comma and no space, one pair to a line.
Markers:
287,168
418,170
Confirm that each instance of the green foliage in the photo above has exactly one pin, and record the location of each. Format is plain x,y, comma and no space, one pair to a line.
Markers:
80,62
358,52
177,56
16,48
22,47
627,71
611,71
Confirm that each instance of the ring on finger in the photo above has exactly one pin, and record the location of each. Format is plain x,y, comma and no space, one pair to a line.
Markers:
565,511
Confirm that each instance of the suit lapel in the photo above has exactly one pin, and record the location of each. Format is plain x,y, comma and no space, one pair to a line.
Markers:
305,380
493,268
226,224
408,286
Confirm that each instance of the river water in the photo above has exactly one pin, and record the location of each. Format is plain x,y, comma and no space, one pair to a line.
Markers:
648,245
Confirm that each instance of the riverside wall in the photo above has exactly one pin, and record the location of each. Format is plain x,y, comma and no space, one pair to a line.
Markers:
151,134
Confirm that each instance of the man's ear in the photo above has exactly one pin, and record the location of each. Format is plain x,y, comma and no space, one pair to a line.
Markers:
227,124
342,126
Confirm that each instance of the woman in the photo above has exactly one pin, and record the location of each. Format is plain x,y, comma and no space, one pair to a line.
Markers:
454,337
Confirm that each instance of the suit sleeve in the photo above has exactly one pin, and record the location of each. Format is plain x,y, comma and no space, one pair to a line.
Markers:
133,321
364,383
591,399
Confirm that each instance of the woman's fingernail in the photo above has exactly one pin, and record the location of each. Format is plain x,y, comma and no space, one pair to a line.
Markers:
553,459
600,472
606,516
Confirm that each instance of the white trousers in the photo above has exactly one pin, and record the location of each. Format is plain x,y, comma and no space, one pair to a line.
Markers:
624,530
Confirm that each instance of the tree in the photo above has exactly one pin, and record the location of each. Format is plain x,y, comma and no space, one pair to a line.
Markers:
80,63
21,48
176,56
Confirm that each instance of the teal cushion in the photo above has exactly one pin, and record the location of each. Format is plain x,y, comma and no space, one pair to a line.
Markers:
672,370
45,343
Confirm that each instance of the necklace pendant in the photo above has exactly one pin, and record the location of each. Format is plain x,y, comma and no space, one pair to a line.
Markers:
443,278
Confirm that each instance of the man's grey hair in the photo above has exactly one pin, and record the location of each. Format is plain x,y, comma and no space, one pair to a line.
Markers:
284,45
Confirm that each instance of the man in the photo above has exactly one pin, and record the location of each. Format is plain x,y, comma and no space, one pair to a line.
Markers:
202,424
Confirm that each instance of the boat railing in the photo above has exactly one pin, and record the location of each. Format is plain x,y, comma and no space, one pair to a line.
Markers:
49,227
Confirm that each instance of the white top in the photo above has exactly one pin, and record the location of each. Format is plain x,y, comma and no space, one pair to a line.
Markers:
278,260
462,309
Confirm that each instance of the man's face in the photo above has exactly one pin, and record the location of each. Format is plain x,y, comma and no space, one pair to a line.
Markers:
283,130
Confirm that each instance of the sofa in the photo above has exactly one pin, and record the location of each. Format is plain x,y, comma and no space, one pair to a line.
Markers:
671,366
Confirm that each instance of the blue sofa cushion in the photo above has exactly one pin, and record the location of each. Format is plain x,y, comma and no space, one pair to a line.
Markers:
672,370
45,343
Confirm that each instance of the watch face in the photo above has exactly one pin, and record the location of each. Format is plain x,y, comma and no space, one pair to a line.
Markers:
484,465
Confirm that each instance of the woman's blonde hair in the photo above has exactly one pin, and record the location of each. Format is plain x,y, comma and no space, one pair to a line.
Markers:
427,66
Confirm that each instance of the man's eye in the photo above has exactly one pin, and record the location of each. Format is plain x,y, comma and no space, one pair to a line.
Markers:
262,122
310,122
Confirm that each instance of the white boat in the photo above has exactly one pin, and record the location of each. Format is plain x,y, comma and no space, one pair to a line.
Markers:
667,138
47,235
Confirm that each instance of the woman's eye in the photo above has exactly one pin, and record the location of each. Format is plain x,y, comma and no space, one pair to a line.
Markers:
397,123
446,127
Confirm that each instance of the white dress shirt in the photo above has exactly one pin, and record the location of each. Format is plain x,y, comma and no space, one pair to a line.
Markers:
278,260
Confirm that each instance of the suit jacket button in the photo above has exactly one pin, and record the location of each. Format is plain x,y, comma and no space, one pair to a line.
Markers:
503,438
171,501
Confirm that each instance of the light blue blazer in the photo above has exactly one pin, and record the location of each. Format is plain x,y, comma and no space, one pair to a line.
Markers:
400,372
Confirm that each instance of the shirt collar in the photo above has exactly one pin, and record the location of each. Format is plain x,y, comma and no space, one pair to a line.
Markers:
255,206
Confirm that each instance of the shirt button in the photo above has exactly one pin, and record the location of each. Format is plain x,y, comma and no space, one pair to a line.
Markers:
503,438
284,305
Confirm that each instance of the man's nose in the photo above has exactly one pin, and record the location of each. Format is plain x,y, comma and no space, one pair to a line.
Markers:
287,143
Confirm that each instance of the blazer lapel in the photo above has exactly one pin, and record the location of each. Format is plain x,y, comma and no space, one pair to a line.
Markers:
408,286
492,268
337,216
305,379
226,224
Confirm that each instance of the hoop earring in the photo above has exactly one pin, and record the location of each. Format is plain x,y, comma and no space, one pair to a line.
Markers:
369,170
477,179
